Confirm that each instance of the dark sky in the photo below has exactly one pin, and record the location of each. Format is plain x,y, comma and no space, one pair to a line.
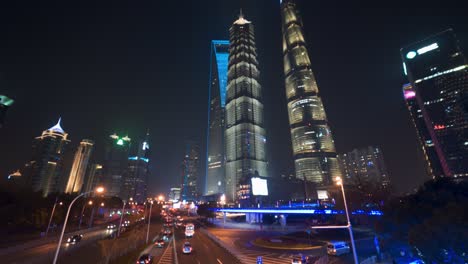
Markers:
113,66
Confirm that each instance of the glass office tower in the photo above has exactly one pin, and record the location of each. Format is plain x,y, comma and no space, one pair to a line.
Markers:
115,165
438,72
433,166
135,180
312,141
80,164
214,180
191,171
245,135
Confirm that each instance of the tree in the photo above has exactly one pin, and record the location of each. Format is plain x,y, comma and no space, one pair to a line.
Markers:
434,220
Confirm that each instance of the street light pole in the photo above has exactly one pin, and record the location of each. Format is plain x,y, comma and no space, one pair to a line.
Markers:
51,216
66,220
82,212
350,229
121,218
149,220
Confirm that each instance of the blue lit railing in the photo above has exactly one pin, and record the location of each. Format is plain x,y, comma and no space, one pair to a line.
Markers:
296,211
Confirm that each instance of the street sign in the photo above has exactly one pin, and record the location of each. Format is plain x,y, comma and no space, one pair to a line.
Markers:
259,260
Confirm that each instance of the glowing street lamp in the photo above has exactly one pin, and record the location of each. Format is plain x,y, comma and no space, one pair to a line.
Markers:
339,182
98,190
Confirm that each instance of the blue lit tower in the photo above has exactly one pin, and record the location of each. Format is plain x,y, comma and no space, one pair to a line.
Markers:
438,72
45,168
214,181
312,141
245,135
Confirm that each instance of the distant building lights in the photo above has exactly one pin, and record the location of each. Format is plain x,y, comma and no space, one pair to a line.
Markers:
410,55
120,142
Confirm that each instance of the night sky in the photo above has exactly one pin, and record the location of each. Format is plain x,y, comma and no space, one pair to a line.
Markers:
113,66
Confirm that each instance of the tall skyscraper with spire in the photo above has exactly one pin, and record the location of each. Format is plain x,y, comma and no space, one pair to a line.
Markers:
45,168
245,135
80,164
312,141
219,57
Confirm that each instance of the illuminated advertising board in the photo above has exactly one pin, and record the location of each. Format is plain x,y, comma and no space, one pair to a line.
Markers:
259,186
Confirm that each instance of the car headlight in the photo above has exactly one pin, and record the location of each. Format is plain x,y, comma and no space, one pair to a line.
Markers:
68,240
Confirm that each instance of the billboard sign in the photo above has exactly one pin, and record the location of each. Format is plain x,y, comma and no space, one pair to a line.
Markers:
259,186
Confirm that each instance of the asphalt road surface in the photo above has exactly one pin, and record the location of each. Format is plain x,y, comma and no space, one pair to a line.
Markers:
45,253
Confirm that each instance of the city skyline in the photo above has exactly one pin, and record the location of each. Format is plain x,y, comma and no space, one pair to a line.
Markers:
343,124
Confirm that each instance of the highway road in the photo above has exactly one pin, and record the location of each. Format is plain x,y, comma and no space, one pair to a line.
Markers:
45,253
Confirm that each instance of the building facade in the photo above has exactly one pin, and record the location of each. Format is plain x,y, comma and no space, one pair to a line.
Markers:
433,166
93,177
245,133
219,58
135,182
191,171
438,72
45,168
115,164
364,166
312,141
80,164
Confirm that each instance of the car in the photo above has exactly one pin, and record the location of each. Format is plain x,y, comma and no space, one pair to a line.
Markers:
145,259
297,259
111,226
165,237
160,243
337,248
74,239
187,248
167,232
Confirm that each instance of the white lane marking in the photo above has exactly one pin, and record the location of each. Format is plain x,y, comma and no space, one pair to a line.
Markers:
219,261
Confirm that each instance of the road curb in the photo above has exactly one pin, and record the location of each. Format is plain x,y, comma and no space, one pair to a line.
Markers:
231,251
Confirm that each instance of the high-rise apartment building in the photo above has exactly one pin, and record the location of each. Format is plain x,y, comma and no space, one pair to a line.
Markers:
45,168
364,166
5,103
219,58
115,164
245,133
433,166
191,171
438,72
312,141
136,176
80,164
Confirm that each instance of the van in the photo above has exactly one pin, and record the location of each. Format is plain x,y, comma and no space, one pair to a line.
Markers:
337,248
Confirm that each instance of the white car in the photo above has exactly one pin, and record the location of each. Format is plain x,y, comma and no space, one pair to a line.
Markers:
337,248
187,248
296,260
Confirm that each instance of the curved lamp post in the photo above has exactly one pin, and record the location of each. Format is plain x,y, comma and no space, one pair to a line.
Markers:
52,215
149,220
339,181
98,190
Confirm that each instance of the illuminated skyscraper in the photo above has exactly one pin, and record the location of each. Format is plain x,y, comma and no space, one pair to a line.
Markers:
115,164
5,102
214,181
245,135
93,177
80,164
312,141
45,168
136,176
433,166
438,72
191,171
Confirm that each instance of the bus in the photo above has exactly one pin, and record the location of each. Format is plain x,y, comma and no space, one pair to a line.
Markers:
189,230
